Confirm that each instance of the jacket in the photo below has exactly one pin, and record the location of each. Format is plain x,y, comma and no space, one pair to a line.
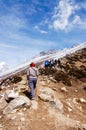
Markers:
32,72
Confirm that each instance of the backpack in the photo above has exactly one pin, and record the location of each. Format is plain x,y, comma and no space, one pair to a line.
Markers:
47,63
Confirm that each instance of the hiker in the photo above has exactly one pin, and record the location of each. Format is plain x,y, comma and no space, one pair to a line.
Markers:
53,63
47,63
32,75
59,62
60,65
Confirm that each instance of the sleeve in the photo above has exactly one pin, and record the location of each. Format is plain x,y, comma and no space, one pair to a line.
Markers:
37,72
28,73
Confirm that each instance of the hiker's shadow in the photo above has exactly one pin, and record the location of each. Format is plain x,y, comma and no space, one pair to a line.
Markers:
27,94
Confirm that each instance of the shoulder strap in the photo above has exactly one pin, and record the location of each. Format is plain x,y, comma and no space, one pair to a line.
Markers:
35,71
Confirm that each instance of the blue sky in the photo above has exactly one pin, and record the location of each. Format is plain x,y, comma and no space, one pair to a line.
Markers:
28,27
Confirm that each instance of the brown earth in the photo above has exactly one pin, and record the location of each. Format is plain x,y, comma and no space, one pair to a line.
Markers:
44,115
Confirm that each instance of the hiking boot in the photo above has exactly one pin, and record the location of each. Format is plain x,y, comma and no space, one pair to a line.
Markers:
32,98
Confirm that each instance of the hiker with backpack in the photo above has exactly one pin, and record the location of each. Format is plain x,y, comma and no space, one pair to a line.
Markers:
47,63
32,76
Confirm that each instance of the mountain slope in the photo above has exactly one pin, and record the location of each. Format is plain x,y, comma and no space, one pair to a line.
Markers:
39,59
63,107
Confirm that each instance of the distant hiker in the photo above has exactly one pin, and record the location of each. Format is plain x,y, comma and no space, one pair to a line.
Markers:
47,63
60,65
53,63
32,75
50,63
59,62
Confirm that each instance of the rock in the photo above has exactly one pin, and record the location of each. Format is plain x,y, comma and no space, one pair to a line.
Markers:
17,103
34,105
24,109
1,127
84,88
76,90
19,128
48,95
45,97
45,78
69,104
52,79
3,86
3,103
58,104
46,91
43,83
21,88
16,89
14,117
69,109
75,100
22,119
82,100
63,89
23,82
54,89
10,94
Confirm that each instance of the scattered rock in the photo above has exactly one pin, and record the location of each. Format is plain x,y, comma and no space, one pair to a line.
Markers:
69,109
23,82
52,79
22,88
45,97
46,94
3,103
54,89
57,104
43,83
82,100
10,94
63,89
76,90
34,105
19,128
17,103
22,119
84,88
46,91
1,127
75,100
14,117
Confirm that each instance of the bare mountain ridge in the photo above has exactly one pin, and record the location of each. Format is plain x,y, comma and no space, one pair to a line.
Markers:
64,107
41,59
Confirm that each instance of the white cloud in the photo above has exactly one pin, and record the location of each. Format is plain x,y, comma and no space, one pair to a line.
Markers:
63,13
11,22
3,66
8,46
79,22
40,30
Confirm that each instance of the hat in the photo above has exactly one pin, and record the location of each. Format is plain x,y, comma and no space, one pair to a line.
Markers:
32,64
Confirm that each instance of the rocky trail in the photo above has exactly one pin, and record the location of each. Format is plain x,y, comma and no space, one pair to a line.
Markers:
60,103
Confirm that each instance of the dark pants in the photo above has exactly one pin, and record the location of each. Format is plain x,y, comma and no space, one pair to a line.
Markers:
32,85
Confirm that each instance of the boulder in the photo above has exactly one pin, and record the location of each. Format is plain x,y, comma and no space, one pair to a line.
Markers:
10,94
22,87
49,95
3,103
63,89
17,103
23,82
